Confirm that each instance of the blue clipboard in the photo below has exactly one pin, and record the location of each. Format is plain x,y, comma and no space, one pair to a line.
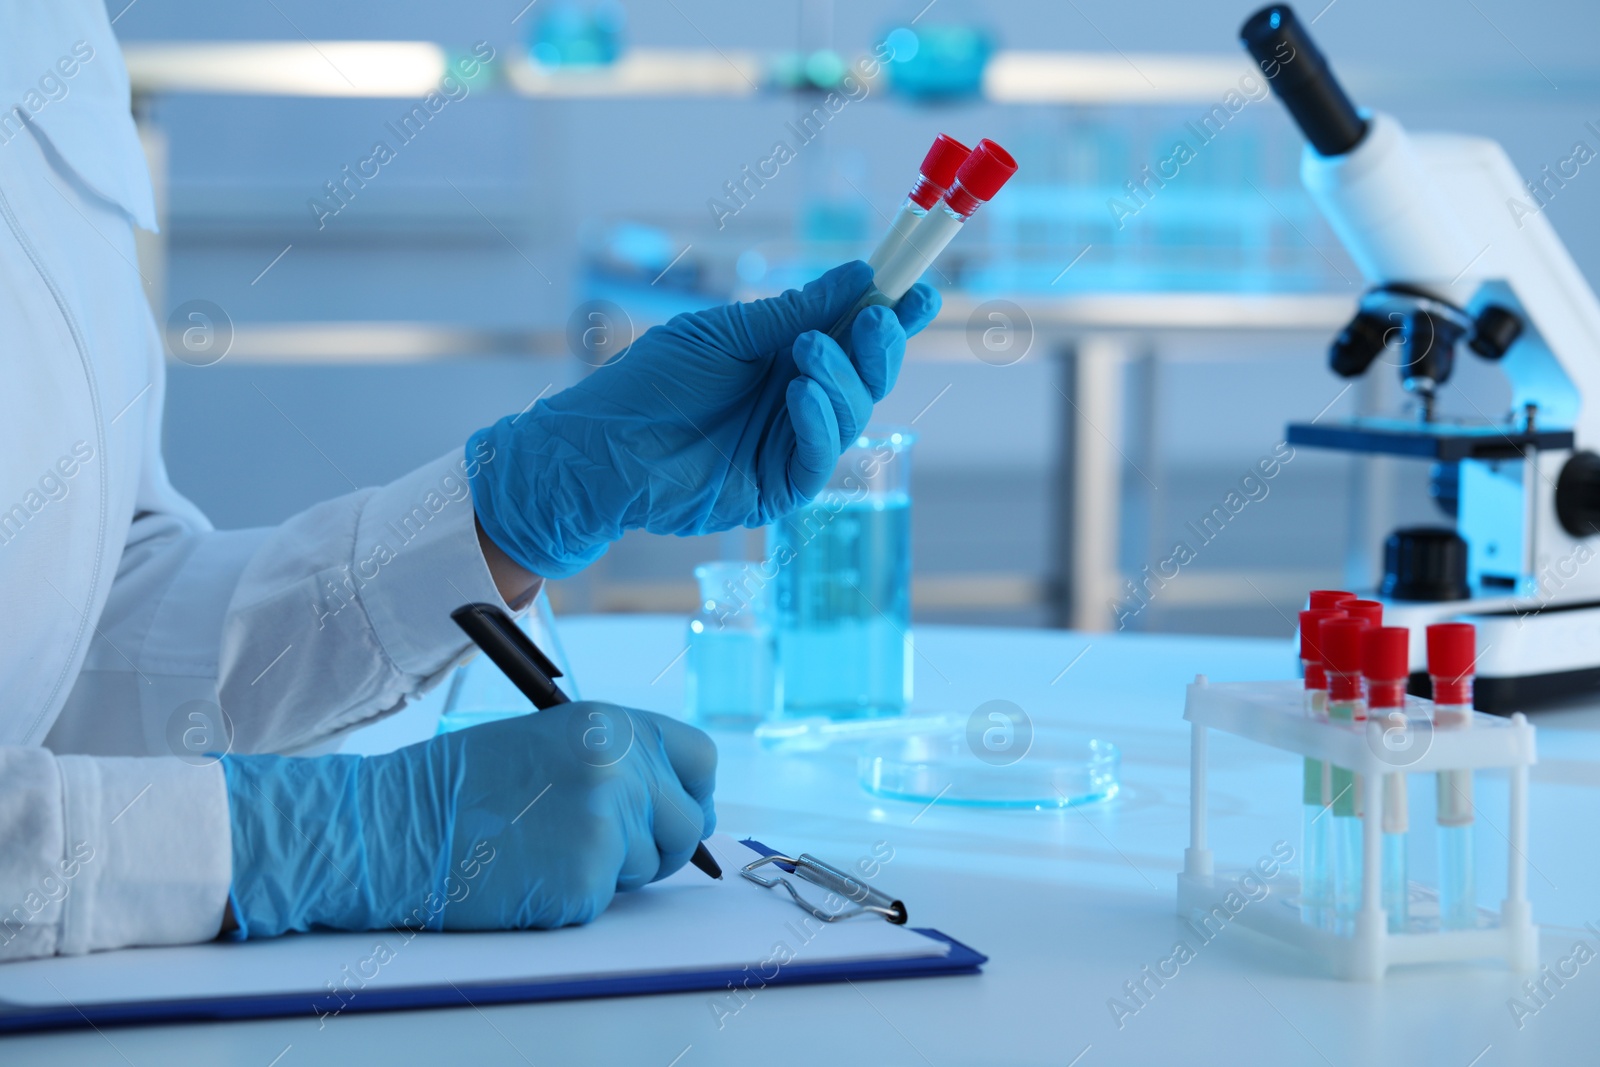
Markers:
961,959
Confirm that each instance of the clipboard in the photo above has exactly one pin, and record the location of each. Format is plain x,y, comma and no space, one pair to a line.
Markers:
927,953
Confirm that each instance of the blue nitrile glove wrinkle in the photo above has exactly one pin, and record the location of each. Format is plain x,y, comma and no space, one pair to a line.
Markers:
515,824
733,416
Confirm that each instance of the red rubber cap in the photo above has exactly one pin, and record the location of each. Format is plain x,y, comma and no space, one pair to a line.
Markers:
1370,610
1311,621
981,176
939,166
1386,653
1452,649
1342,644
1328,598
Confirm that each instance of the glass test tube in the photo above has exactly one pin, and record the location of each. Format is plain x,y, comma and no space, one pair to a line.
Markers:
1342,649
1452,652
934,178
1386,662
978,179
1316,884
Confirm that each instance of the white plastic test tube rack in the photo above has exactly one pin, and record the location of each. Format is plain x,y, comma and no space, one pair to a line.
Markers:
1272,713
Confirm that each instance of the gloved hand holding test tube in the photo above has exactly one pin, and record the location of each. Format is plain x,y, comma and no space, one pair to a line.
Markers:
977,180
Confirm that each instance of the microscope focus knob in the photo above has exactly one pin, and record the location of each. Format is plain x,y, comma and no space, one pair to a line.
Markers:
1495,331
1578,495
1425,563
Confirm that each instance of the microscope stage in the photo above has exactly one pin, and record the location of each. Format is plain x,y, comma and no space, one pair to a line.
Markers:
1445,442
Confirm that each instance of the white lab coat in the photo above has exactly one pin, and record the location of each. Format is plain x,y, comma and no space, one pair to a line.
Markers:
120,604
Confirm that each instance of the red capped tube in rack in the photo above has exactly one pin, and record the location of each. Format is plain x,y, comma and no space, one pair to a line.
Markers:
1452,660
1386,662
1370,610
1311,657
1343,645
1328,598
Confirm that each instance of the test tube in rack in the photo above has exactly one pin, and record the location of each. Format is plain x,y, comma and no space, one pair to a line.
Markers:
1342,643
1316,885
1386,663
1452,652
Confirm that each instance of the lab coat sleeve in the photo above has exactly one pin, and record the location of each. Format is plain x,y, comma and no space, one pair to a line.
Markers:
106,853
355,597
275,640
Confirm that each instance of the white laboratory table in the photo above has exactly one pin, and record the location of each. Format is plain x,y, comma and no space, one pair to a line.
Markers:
1069,905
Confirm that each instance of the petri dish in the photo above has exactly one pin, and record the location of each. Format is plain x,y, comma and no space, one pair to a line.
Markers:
1061,768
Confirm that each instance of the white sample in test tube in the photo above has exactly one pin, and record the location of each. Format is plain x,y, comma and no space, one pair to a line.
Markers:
1385,660
1452,655
934,178
978,178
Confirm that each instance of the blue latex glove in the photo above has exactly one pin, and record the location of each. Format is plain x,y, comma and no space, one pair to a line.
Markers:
528,822
729,417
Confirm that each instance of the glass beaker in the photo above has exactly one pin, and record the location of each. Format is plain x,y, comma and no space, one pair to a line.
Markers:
480,693
731,678
843,586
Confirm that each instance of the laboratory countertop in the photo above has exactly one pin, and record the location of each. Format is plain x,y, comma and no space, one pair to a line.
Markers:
1069,905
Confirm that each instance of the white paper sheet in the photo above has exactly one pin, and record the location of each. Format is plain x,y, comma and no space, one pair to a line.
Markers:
685,923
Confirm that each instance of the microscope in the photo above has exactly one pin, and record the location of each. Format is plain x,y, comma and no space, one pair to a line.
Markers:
1445,234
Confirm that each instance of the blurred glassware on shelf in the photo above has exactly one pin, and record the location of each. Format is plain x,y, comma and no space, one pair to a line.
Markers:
730,663
568,34
1155,199
636,251
820,71
469,68
938,62
843,587
480,693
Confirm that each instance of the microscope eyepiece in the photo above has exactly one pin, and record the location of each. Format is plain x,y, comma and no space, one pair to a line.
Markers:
1359,344
1298,73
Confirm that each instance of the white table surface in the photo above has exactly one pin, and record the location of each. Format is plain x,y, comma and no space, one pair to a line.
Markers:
1069,905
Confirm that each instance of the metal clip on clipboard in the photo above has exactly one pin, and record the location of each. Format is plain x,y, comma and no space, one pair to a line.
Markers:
833,880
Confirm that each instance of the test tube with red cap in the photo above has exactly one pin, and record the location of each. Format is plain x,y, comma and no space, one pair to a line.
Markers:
934,179
978,179
1343,645
1371,610
1386,662
1452,658
1316,882
1328,598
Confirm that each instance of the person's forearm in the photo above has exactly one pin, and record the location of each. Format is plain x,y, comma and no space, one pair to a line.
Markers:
516,585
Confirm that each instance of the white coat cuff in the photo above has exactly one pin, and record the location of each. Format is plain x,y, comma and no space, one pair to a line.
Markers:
152,848
417,560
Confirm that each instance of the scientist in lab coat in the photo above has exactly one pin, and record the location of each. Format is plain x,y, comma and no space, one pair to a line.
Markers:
123,605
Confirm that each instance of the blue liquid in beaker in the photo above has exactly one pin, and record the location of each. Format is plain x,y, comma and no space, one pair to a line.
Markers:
731,676
844,606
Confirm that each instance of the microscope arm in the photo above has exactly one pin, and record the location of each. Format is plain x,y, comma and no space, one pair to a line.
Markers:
1444,213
